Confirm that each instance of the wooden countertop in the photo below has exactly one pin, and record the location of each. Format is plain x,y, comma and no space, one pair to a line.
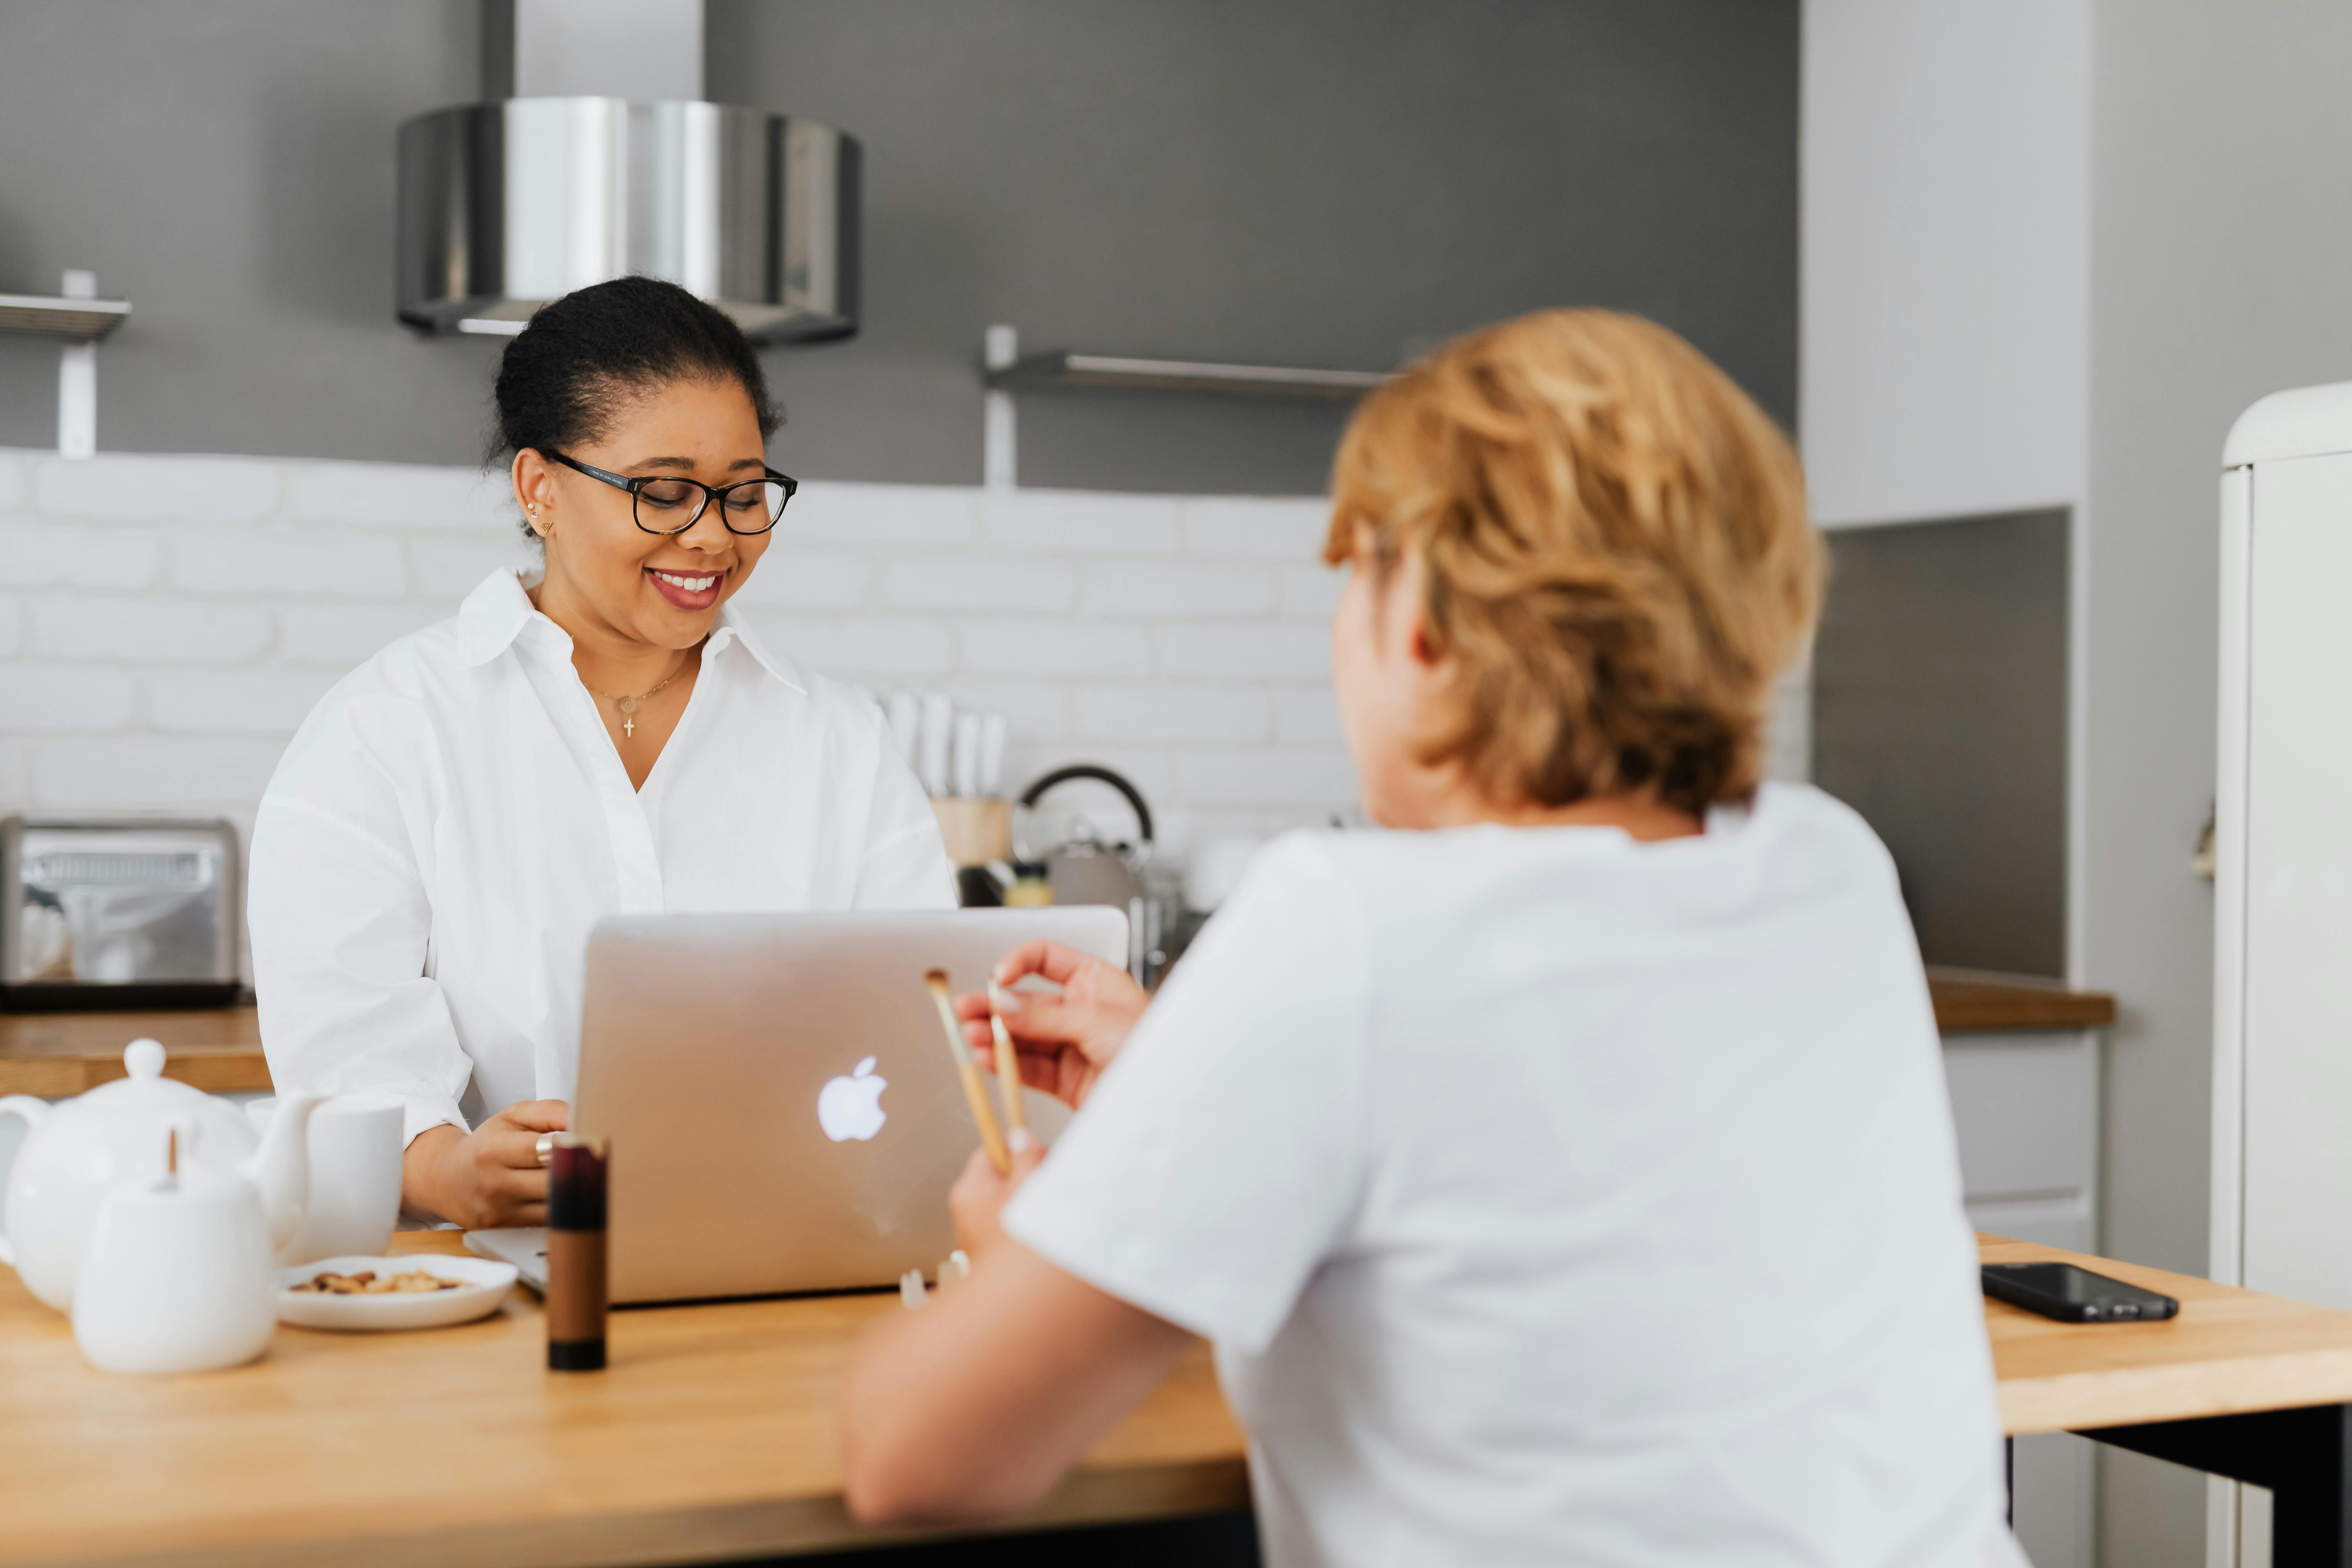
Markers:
2229,1351
1969,1001
711,1437
57,1054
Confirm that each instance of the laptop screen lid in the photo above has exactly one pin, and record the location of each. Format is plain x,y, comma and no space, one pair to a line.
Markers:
782,1111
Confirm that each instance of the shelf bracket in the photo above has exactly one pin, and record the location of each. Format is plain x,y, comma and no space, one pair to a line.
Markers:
76,314
1000,436
78,379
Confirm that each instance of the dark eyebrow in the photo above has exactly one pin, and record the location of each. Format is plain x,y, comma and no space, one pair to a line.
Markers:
687,464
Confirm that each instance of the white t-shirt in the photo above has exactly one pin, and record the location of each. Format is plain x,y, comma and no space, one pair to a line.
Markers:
452,819
1554,1198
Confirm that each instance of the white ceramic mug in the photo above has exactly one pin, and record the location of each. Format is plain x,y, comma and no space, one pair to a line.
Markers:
355,1150
177,1275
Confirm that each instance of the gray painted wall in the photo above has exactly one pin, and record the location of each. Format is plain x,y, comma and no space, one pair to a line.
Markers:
2221,217
1316,181
1939,713
228,167
1312,182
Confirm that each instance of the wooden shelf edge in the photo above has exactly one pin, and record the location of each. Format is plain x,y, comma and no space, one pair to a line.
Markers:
1969,1001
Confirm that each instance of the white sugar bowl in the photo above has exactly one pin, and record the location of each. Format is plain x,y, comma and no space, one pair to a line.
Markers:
178,1275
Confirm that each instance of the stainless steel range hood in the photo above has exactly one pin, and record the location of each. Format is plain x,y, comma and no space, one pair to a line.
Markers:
506,204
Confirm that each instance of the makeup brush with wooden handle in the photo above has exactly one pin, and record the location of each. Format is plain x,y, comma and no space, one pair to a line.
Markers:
977,1096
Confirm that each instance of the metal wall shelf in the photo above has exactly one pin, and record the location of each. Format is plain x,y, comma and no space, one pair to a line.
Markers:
1064,370
55,316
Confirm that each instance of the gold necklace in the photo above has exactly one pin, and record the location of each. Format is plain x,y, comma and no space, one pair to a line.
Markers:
628,705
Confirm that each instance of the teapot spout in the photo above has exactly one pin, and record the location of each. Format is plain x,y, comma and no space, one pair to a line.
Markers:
280,1168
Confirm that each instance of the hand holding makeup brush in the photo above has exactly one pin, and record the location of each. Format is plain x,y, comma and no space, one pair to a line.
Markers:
1062,1040
980,1194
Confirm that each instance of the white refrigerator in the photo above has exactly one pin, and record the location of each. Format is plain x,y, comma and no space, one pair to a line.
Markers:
2282,1181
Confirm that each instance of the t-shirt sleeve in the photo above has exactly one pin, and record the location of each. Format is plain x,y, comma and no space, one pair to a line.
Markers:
1220,1160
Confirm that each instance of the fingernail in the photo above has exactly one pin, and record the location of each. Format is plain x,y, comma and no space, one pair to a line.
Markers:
1004,1001
1022,1141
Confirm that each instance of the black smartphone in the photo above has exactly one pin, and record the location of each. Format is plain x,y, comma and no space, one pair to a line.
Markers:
2074,1295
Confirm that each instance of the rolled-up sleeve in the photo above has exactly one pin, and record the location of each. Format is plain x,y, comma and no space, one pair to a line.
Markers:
341,926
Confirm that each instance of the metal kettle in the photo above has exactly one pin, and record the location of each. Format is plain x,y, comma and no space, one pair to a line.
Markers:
1084,868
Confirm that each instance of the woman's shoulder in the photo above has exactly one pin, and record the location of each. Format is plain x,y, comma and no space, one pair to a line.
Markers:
418,672
832,706
383,708
1809,827
399,675
1788,840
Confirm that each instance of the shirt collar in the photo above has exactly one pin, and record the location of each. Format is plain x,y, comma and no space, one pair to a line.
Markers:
495,613
731,627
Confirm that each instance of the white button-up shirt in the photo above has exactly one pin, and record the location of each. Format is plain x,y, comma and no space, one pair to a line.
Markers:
452,819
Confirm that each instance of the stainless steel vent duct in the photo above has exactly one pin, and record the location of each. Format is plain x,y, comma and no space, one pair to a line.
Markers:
506,206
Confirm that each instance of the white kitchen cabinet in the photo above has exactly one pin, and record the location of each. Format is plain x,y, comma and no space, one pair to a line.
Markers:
2025,1104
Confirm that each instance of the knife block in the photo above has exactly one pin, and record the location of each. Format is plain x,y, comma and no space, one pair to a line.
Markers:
977,828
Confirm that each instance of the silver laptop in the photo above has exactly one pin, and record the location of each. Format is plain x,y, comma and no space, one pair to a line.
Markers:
782,1110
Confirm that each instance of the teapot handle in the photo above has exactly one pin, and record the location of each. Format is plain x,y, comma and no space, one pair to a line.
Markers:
33,1111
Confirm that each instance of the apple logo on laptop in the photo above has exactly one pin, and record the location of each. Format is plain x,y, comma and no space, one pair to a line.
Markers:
852,1107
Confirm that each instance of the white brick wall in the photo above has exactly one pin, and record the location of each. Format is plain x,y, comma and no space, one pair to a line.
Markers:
166,622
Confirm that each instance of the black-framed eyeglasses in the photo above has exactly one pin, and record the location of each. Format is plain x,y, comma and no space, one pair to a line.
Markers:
667,503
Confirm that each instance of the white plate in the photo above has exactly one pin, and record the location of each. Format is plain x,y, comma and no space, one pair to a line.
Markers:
486,1285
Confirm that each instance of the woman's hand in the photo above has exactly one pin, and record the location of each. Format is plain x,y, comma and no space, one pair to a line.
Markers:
490,1176
1063,1042
980,1194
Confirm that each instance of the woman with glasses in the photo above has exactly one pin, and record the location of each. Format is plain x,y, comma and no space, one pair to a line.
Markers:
606,739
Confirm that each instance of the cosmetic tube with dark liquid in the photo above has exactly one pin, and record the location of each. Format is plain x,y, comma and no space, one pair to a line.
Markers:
576,1174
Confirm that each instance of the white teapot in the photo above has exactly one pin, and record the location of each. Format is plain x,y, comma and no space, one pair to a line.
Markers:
75,1152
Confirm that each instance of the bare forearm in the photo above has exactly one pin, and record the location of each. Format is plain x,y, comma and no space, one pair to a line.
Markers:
974,1408
490,1176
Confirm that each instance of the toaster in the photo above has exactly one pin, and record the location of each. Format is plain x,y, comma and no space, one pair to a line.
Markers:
125,914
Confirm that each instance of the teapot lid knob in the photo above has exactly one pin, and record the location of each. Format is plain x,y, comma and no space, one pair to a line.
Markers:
143,1058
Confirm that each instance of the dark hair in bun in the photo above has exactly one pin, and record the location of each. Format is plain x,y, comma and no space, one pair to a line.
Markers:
585,356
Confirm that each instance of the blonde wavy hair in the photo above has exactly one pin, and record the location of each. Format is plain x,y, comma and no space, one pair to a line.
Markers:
1615,551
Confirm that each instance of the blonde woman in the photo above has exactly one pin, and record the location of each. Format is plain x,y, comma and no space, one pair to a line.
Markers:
1564,1173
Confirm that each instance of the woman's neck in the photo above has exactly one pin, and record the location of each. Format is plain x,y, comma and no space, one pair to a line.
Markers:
608,659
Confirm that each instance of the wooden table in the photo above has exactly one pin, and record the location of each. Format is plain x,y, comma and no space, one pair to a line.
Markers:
712,1434
2254,1387
711,1437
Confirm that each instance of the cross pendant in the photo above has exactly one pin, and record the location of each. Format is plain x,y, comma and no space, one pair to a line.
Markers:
629,728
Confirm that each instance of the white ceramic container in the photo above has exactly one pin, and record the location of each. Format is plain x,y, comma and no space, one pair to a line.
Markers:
354,1149
75,1152
177,1275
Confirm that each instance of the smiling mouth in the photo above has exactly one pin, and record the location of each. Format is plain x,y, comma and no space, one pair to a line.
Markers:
686,590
